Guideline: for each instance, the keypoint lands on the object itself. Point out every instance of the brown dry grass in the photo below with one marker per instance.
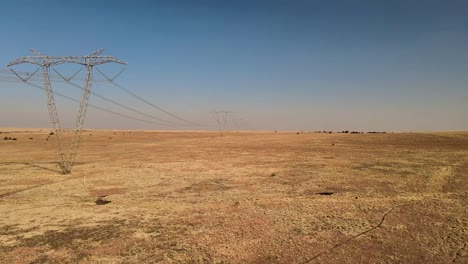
(197, 197)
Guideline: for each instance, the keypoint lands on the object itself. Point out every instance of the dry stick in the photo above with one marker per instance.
(351, 238)
(458, 253)
(358, 235)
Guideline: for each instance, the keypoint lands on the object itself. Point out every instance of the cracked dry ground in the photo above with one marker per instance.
(186, 197)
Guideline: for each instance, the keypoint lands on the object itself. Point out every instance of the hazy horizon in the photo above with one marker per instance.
(277, 65)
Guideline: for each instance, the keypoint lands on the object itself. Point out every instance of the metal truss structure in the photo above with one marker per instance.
(224, 119)
(67, 159)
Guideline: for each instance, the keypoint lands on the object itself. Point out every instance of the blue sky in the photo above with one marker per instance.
(278, 65)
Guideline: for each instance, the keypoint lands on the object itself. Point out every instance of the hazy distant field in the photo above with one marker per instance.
(188, 197)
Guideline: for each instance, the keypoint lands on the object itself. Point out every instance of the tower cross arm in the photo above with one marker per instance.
(97, 60)
(38, 60)
(54, 60)
(91, 60)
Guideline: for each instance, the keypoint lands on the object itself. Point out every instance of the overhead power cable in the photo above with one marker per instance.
(121, 105)
(111, 80)
(61, 78)
(154, 106)
(93, 106)
(68, 81)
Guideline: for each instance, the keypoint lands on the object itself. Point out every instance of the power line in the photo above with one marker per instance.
(109, 80)
(15, 80)
(154, 106)
(94, 106)
(124, 106)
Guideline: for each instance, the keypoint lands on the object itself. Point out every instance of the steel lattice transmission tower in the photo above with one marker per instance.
(45, 62)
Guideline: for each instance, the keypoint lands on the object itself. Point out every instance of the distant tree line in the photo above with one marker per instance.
(350, 132)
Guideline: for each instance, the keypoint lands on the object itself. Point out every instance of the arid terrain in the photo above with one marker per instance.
(248, 197)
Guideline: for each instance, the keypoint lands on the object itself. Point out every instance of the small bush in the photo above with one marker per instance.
(5, 138)
(51, 133)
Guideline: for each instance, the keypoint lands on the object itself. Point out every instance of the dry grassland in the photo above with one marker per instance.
(198, 197)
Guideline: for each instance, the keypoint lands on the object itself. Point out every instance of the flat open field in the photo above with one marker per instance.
(199, 197)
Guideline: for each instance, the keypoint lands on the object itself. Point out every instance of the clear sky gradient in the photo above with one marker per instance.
(278, 65)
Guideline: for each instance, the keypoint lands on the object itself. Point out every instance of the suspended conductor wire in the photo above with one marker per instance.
(67, 80)
(111, 80)
(62, 79)
(154, 106)
(126, 107)
(93, 106)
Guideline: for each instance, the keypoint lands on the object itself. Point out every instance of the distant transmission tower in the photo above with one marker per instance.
(45, 62)
(225, 121)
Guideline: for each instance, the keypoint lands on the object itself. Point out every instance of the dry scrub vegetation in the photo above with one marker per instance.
(197, 197)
